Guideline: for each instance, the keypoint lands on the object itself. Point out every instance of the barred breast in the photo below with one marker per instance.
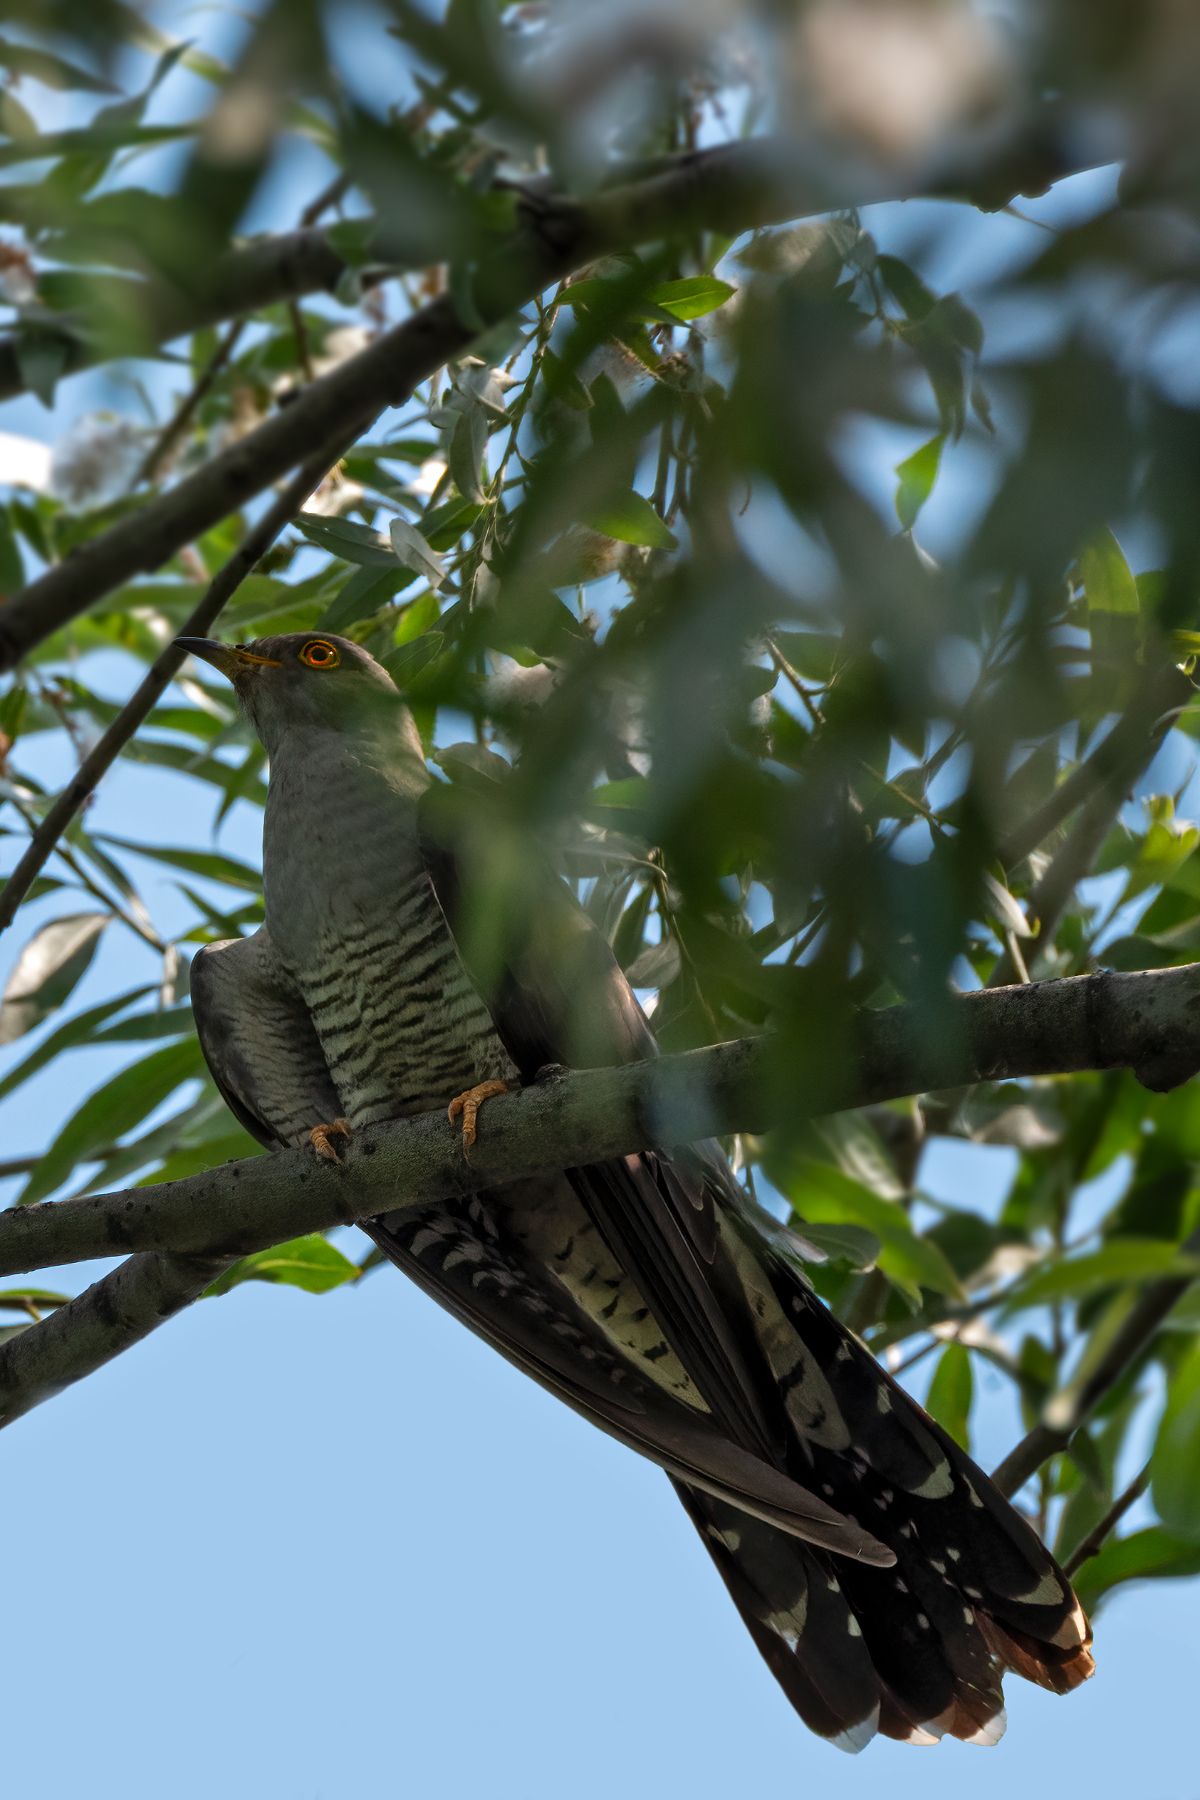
(401, 1026)
(360, 932)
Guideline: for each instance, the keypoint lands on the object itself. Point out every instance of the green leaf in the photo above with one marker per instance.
(236, 783)
(354, 543)
(468, 444)
(950, 1393)
(413, 549)
(14, 1299)
(79, 1030)
(848, 1244)
(209, 863)
(690, 298)
(1148, 1555)
(144, 1027)
(1119, 1263)
(367, 590)
(826, 1196)
(311, 1263)
(1175, 1464)
(668, 303)
(52, 71)
(47, 970)
(113, 1110)
(1114, 611)
(656, 966)
(917, 474)
(631, 519)
(1107, 579)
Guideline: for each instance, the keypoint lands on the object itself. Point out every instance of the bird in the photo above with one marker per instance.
(886, 1581)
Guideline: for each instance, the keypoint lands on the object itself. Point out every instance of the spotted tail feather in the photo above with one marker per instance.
(917, 1651)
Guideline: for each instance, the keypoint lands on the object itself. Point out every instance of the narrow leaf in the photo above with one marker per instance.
(113, 1110)
(47, 969)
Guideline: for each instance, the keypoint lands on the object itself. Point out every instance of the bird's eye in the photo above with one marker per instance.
(318, 654)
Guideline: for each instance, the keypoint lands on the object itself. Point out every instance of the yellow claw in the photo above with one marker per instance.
(468, 1105)
(320, 1135)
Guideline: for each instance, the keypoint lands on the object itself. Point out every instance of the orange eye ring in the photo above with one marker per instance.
(318, 653)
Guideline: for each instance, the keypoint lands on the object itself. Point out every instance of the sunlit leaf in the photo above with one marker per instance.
(1175, 1465)
(115, 1108)
(917, 474)
(47, 970)
(631, 519)
(311, 1263)
(951, 1391)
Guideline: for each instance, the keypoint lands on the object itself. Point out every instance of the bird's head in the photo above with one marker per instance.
(307, 681)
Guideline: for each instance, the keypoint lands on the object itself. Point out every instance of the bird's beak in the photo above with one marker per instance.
(230, 659)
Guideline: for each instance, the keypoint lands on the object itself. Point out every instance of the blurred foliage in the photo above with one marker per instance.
(629, 565)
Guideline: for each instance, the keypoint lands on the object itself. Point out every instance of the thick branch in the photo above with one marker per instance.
(186, 1230)
(163, 670)
(295, 263)
(276, 268)
(105, 1319)
(1149, 1022)
(734, 187)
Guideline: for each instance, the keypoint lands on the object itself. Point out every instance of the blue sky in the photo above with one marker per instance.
(314, 1548)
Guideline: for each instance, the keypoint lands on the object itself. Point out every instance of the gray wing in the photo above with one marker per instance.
(259, 1042)
(557, 995)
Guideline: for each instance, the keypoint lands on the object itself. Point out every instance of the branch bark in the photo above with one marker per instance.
(107, 1318)
(732, 188)
(185, 1231)
(1149, 1022)
(290, 265)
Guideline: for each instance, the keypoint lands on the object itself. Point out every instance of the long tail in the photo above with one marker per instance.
(916, 1651)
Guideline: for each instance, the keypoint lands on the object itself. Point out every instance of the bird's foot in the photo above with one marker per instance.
(320, 1135)
(467, 1107)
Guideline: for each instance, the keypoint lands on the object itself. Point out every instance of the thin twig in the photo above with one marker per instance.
(1115, 761)
(1073, 1405)
(329, 196)
(162, 671)
(140, 928)
(1100, 789)
(1098, 1536)
(182, 417)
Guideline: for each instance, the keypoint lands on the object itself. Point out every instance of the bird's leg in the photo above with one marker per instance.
(320, 1135)
(468, 1105)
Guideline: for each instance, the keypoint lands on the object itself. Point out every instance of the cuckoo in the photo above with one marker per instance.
(884, 1578)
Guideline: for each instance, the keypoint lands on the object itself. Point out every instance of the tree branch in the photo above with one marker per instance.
(733, 188)
(1096, 1539)
(292, 264)
(1149, 1022)
(110, 1316)
(162, 672)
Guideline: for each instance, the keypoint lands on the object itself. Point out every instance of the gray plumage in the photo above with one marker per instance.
(884, 1579)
